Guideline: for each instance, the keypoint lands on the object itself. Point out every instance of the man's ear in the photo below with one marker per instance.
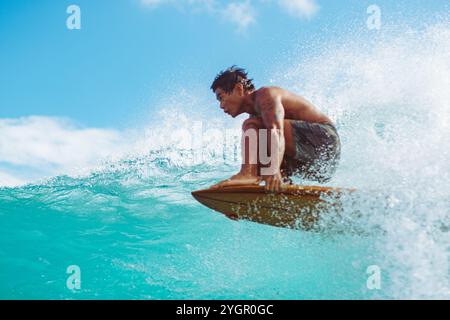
(239, 89)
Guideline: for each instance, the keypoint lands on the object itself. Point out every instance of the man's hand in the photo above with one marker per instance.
(237, 180)
(274, 182)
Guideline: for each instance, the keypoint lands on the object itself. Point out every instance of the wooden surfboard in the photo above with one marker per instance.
(295, 207)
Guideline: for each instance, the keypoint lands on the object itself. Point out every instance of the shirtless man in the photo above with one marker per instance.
(303, 140)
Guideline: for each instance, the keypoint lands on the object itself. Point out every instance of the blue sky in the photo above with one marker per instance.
(129, 54)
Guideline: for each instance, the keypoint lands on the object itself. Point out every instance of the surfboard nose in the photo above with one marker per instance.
(207, 192)
(195, 194)
(202, 196)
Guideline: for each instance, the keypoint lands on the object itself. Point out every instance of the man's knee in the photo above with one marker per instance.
(252, 123)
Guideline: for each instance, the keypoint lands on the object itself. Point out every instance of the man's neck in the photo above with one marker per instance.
(248, 104)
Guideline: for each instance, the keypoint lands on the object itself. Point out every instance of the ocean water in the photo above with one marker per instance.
(130, 225)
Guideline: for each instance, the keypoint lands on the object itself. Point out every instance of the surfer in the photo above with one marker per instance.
(300, 140)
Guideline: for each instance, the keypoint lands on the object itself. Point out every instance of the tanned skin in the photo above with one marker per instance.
(269, 108)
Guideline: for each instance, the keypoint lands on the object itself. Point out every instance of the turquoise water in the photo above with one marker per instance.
(133, 229)
(149, 239)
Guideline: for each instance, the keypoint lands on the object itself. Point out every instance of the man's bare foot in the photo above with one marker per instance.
(287, 180)
(238, 180)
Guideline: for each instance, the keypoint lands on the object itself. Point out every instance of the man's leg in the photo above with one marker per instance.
(250, 168)
(251, 161)
(250, 147)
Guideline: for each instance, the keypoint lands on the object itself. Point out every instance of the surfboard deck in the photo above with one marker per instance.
(297, 207)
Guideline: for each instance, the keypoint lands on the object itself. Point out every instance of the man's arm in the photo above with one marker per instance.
(272, 113)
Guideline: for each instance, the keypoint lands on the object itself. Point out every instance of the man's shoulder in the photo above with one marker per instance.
(269, 91)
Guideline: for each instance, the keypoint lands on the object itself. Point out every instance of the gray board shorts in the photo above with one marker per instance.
(318, 150)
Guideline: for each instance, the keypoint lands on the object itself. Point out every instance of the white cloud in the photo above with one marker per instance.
(241, 14)
(300, 8)
(50, 146)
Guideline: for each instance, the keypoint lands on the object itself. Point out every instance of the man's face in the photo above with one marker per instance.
(229, 102)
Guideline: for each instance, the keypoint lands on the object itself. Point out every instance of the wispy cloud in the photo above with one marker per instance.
(153, 3)
(300, 8)
(51, 146)
(240, 13)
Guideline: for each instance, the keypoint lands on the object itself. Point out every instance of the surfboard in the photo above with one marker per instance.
(297, 207)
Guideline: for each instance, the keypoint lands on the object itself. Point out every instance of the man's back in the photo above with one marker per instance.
(295, 106)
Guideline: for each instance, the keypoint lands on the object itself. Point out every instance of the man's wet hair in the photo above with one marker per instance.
(227, 79)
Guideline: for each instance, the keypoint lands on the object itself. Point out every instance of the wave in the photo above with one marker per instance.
(389, 97)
